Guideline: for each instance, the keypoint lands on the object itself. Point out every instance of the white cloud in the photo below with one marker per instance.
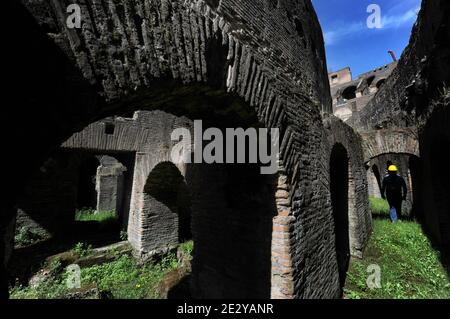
(396, 21)
(334, 36)
(389, 21)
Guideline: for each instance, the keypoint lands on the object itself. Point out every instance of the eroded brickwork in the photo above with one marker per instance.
(255, 236)
(360, 223)
(414, 100)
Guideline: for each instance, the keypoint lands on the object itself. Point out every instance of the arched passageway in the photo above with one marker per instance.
(380, 83)
(409, 169)
(349, 93)
(339, 187)
(200, 69)
(70, 181)
(77, 196)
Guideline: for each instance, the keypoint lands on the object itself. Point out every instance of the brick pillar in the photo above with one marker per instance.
(282, 265)
(282, 240)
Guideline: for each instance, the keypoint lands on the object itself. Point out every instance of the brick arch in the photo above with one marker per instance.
(360, 223)
(349, 93)
(129, 55)
(156, 54)
(400, 141)
(162, 207)
(380, 82)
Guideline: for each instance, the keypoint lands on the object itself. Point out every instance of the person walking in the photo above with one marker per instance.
(395, 191)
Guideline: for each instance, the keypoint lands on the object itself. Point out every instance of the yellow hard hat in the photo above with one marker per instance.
(392, 168)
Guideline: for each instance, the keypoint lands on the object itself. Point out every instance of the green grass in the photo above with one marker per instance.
(91, 215)
(123, 278)
(82, 249)
(187, 247)
(378, 207)
(410, 267)
(26, 236)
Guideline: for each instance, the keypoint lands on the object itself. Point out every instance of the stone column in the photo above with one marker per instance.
(109, 185)
(282, 286)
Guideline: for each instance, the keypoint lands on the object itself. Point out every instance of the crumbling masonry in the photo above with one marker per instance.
(138, 69)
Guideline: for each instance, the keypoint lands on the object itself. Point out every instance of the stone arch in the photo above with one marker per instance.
(158, 60)
(164, 208)
(401, 144)
(239, 197)
(111, 86)
(409, 169)
(360, 221)
(349, 93)
(400, 141)
(380, 83)
(369, 80)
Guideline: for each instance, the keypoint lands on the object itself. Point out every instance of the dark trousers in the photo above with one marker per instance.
(395, 202)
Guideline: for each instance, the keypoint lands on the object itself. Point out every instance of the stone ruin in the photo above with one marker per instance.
(350, 95)
(105, 98)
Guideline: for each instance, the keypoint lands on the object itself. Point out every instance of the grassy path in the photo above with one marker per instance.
(410, 267)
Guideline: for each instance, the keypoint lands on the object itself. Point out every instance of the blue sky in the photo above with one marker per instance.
(348, 40)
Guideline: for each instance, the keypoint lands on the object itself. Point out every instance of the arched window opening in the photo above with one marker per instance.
(380, 83)
(370, 80)
(349, 93)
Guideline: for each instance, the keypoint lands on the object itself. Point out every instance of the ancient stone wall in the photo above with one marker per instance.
(148, 135)
(237, 247)
(394, 141)
(360, 223)
(421, 73)
(434, 146)
(408, 102)
(219, 61)
(47, 206)
(350, 96)
(147, 233)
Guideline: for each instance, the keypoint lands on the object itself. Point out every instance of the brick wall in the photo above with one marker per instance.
(199, 59)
